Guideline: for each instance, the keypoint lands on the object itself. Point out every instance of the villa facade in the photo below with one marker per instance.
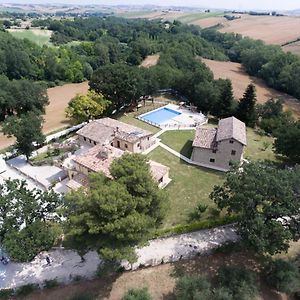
(107, 140)
(117, 134)
(215, 148)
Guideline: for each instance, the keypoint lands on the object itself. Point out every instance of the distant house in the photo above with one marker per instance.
(99, 159)
(117, 134)
(215, 147)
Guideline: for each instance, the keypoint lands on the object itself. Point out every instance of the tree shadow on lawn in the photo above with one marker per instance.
(187, 149)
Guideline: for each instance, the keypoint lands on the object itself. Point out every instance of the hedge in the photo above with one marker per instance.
(185, 228)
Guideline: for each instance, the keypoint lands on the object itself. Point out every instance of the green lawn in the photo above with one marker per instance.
(40, 37)
(259, 147)
(179, 140)
(190, 185)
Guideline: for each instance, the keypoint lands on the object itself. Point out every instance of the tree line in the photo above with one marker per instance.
(280, 70)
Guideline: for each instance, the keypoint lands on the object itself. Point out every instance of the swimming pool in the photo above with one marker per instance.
(161, 115)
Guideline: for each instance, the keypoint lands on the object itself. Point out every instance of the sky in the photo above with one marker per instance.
(230, 4)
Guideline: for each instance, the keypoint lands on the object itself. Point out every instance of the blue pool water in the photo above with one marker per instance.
(161, 115)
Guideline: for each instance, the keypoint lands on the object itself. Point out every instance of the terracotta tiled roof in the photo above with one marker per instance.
(100, 157)
(232, 128)
(205, 138)
(104, 130)
(158, 170)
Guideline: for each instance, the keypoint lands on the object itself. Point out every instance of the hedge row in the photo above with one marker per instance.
(185, 228)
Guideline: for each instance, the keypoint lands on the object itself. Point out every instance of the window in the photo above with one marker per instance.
(112, 144)
(160, 180)
(233, 152)
(90, 141)
(126, 146)
(148, 138)
(212, 160)
(84, 138)
(138, 144)
(118, 144)
(95, 143)
(231, 141)
(214, 151)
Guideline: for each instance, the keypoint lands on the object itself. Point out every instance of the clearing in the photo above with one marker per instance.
(272, 30)
(55, 117)
(240, 80)
(150, 60)
(38, 36)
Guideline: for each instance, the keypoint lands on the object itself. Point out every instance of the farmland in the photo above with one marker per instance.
(293, 47)
(55, 118)
(240, 79)
(38, 36)
(272, 30)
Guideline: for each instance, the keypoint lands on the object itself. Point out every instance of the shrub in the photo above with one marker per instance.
(239, 281)
(137, 294)
(6, 293)
(222, 293)
(26, 289)
(282, 275)
(49, 284)
(205, 224)
(81, 297)
(194, 287)
(198, 211)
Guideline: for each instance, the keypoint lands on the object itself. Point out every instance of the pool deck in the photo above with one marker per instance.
(185, 119)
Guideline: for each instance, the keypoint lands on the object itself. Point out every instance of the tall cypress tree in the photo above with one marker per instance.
(224, 108)
(246, 110)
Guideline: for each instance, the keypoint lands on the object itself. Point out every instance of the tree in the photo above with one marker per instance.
(267, 202)
(137, 294)
(287, 141)
(119, 83)
(194, 287)
(224, 105)
(284, 276)
(27, 220)
(27, 129)
(114, 215)
(246, 111)
(238, 281)
(83, 108)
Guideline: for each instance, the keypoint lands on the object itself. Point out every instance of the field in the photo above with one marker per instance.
(195, 17)
(150, 60)
(272, 30)
(38, 36)
(209, 22)
(240, 79)
(55, 118)
(293, 47)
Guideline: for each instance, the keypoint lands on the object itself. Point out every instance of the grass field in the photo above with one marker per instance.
(38, 36)
(191, 18)
(190, 185)
(240, 80)
(259, 147)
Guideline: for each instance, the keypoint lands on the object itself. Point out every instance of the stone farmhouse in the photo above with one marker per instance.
(215, 148)
(117, 134)
(110, 139)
